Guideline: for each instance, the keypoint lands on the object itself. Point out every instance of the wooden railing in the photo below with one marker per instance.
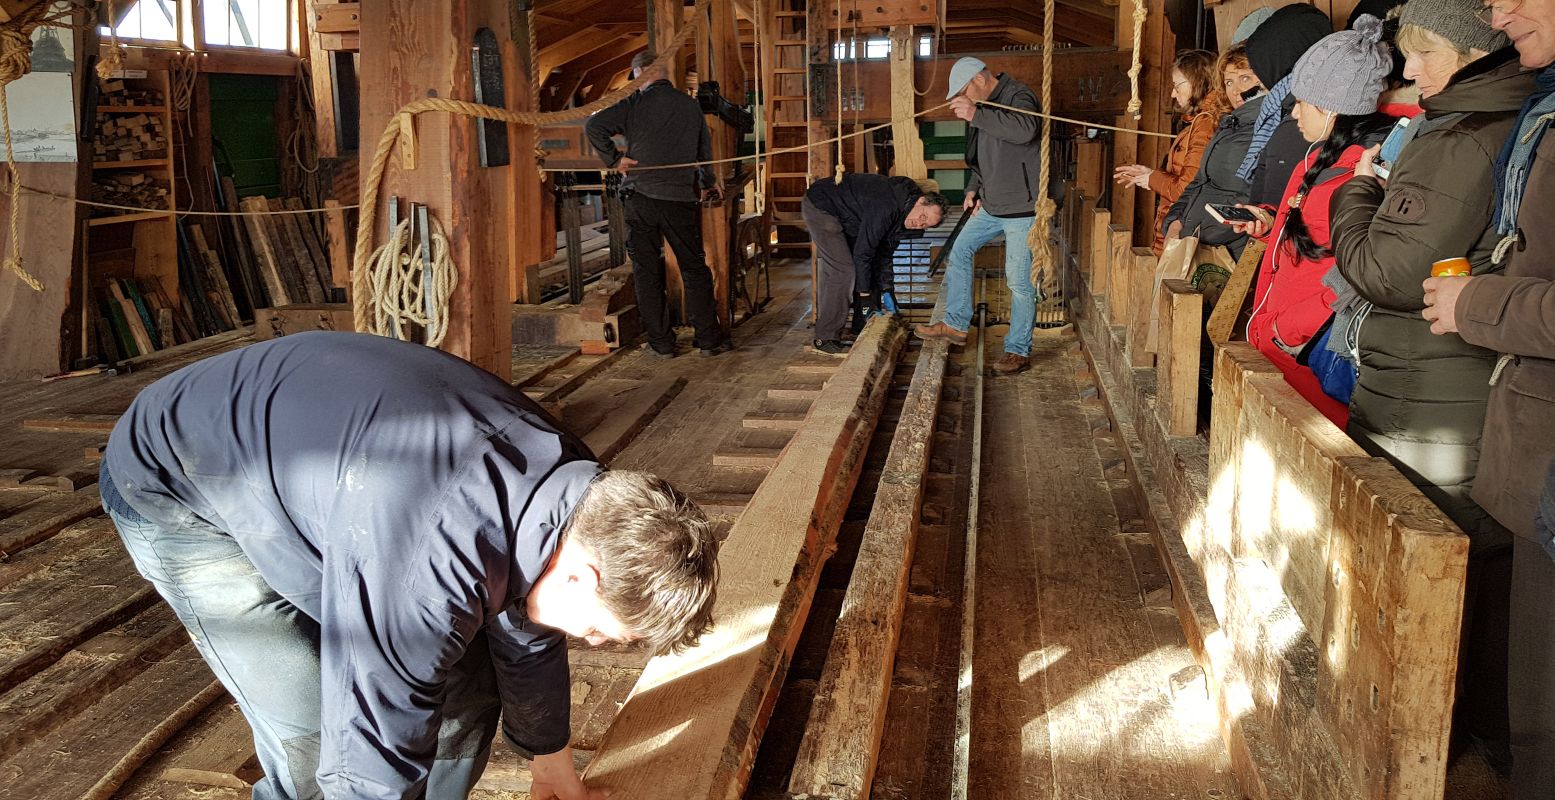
(1321, 592)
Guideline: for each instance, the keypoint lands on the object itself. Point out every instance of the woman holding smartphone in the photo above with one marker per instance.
(1336, 84)
(1420, 399)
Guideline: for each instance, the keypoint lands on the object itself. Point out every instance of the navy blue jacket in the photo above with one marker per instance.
(872, 210)
(403, 498)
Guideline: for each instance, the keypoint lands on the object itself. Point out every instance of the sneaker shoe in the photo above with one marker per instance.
(940, 330)
(830, 347)
(722, 347)
(1012, 364)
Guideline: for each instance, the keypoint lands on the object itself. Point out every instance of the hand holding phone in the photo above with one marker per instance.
(1245, 219)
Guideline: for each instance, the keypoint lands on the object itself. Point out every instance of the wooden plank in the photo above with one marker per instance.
(339, 250)
(841, 743)
(694, 720)
(1223, 321)
(224, 755)
(337, 17)
(72, 423)
(633, 412)
(270, 269)
(93, 534)
(289, 234)
(904, 126)
(1141, 282)
(1176, 261)
(1177, 359)
(40, 705)
(93, 754)
(46, 516)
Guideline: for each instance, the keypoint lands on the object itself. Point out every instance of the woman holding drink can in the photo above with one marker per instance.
(1420, 399)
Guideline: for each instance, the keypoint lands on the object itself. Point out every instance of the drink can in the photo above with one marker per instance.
(1450, 268)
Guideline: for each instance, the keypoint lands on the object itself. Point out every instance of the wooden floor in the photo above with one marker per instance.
(1084, 688)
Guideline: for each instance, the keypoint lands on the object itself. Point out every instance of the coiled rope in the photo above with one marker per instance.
(399, 276)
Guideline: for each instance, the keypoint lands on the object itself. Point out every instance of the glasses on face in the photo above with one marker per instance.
(1502, 7)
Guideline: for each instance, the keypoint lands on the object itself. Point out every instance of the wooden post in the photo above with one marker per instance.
(1155, 94)
(531, 230)
(322, 76)
(818, 25)
(904, 127)
(1141, 284)
(718, 59)
(1120, 261)
(1100, 241)
(421, 49)
(1177, 358)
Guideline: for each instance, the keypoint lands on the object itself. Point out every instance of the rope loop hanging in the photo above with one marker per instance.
(1037, 238)
(1134, 104)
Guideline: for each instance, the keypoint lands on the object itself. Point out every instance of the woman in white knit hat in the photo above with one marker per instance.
(1336, 84)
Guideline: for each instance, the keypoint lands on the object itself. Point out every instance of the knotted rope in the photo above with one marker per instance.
(1037, 238)
(397, 133)
(16, 61)
(1134, 105)
(399, 276)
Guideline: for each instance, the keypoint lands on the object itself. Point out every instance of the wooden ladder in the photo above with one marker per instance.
(785, 60)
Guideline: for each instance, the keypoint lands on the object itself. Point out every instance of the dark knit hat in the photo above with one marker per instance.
(1273, 49)
(1457, 21)
(1345, 72)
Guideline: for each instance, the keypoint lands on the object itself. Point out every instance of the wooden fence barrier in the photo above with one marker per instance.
(1141, 285)
(1120, 261)
(1100, 254)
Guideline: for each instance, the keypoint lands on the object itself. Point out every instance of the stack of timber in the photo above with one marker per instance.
(290, 256)
(135, 317)
(118, 93)
(138, 137)
(693, 722)
(135, 189)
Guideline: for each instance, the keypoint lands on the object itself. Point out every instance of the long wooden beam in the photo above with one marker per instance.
(692, 725)
(841, 742)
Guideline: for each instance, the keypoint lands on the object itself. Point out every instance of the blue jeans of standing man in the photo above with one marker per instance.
(265, 651)
(981, 229)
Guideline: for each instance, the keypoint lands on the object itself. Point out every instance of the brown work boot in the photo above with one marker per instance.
(1012, 364)
(940, 330)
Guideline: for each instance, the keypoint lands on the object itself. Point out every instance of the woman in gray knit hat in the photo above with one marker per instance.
(1420, 399)
(1336, 85)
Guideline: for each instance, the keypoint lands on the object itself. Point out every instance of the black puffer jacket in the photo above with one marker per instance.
(1420, 399)
(1216, 180)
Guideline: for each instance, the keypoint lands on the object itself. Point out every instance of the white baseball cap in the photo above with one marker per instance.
(966, 69)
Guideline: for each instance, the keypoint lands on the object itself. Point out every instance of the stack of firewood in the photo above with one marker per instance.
(115, 93)
(136, 189)
(133, 137)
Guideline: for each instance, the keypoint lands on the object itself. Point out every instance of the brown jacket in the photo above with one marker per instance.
(1182, 163)
(1514, 313)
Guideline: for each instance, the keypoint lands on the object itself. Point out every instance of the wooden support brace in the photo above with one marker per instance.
(407, 142)
(1181, 307)
(1098, 248)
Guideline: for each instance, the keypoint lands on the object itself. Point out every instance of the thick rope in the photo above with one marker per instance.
(1134, 105)
(759, 187)
(113, 60)
(361, 297)
(398, 275)
(1037, 238)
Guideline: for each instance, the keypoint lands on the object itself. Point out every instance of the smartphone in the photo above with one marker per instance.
(1229, 213)
(1391, 147)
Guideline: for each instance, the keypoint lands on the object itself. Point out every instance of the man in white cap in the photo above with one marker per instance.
(1003, 150)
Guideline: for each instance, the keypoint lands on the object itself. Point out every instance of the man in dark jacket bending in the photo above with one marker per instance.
(855, 226)
(663, 126)
(378, 547)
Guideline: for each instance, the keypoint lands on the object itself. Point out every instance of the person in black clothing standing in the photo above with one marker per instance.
(856, 225)
(663, 125)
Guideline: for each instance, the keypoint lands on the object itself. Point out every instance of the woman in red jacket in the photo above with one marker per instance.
(1336, 85)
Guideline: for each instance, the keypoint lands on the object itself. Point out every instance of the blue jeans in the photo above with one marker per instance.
(981, 229)
(265, 651)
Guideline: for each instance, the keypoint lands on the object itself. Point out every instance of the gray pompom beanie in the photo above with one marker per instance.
(1457, 21)
(1345, 72)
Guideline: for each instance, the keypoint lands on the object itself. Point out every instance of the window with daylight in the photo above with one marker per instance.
(265, 24)
(153, 20)
(259, 24)
(875, 49)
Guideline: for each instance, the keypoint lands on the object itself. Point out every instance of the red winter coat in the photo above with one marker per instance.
(1291, 303)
